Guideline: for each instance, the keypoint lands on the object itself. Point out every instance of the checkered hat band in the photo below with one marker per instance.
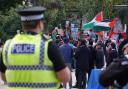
(32, 17)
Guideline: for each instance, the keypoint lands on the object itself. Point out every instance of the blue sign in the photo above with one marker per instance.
(94, 80)
(23, 49)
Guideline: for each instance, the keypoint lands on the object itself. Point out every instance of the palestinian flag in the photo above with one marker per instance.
(80, 36)
(54, 34)
(113, 34)
(104, 25)
(97, 18)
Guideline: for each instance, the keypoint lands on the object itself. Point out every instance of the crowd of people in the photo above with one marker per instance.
(85, 55)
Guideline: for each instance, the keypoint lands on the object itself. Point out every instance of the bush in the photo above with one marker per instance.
(9, 24)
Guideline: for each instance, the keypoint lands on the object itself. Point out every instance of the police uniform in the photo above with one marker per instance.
(30, 59)
(117, 71)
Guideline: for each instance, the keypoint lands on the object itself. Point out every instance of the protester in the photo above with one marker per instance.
(92, 57)
(67, 52)
(107, 48)
(58, 42)
(117, 72)
(112, 54)
(99, 55)
(82, 57)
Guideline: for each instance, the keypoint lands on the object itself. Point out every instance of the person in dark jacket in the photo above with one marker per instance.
(92, 57)
(117, 71)
(99, 56)
(107, 45)
(112, 54)
(82, 64)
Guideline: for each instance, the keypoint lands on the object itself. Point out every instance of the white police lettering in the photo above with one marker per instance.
(23, 49)
(18, 48)
(31, 48)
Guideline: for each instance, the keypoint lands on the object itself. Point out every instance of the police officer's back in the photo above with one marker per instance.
(30, 58)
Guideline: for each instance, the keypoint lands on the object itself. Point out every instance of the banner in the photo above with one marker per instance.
(74, 32)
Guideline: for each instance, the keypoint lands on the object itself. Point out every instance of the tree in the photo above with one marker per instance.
(9, 24)
(5, 5)
(55, 13)
(82, 8)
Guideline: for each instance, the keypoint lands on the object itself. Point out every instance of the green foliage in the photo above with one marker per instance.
(54, 18)
(9, 24)
(57, 12)
(82, 8)
(54, 14)
(5, 5)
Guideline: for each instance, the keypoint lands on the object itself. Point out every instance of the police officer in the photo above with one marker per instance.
(117, 72)
(29, 59)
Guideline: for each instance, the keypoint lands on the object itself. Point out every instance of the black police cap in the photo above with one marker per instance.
(31, 13)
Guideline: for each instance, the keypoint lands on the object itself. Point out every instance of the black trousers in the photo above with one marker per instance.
(81, 78)
(89, 71)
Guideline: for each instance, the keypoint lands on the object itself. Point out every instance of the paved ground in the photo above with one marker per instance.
(3, 87)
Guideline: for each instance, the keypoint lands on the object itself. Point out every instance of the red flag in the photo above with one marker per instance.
(112, 23)
(99, 17)
(111, 34)
(100, 33)
(123, 35)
